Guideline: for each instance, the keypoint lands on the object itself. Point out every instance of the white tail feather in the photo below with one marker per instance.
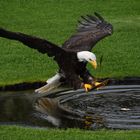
(51, 84)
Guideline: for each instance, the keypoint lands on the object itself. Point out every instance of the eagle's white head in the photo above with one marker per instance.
(86, 56)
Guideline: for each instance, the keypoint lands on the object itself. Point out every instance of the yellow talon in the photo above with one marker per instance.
(97, 83)
(87, 87)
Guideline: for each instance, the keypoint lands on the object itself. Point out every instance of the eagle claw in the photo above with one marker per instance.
(88, 87)
(95, 85)
(98, 85)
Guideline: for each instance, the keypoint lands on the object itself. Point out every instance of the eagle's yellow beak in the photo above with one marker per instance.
(93, 63)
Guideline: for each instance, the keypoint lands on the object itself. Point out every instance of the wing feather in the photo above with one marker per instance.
(41, 45)
(91, 29)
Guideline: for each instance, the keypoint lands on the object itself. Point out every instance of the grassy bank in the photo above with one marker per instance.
(56, 21)
(22, 133)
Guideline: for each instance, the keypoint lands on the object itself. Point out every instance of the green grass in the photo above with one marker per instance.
(56, 21)
(23, 133)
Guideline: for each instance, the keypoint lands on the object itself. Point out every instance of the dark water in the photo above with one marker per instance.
(115, 107)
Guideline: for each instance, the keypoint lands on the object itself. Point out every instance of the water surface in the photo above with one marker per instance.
(110, 107)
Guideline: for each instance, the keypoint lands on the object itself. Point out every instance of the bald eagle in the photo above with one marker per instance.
(74, 54)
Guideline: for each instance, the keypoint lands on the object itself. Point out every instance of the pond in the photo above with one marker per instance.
(112, 107)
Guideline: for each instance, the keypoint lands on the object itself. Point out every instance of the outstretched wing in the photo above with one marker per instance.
(41, 45)
(91, 29)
